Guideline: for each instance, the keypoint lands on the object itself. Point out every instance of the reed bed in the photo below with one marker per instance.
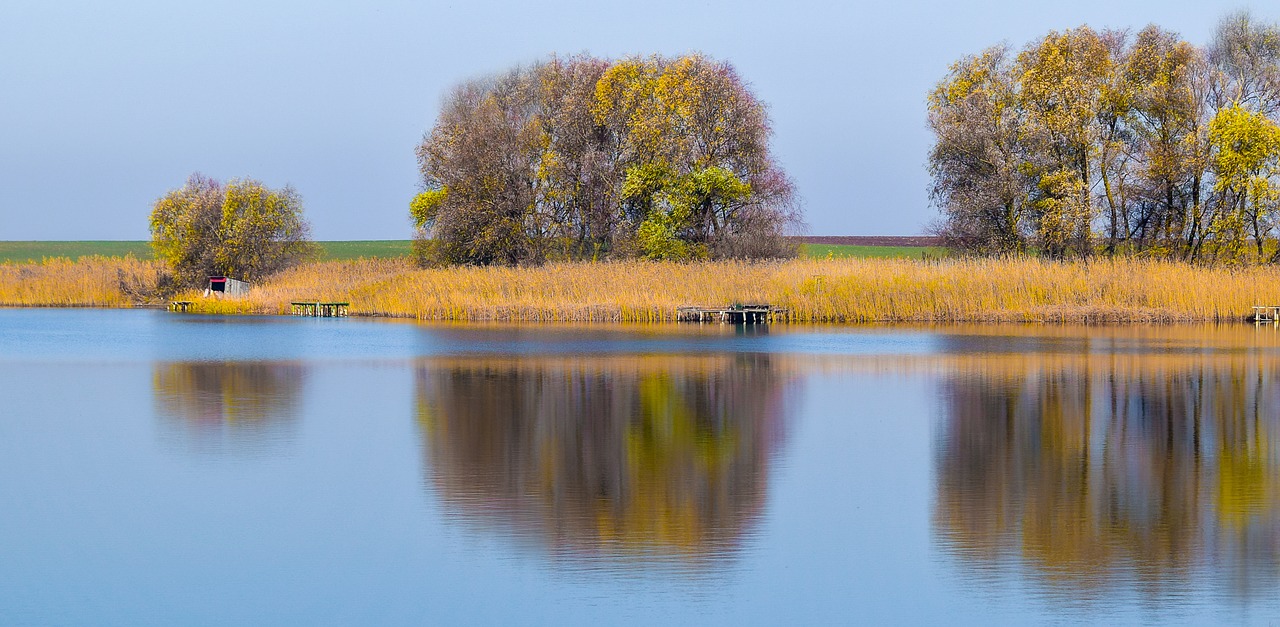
(93, 281)
(831, 290)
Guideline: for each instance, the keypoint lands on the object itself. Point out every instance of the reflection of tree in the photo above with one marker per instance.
(1098, 468)
(241, 401)
(648, 457)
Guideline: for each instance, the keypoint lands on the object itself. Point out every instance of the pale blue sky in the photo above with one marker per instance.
(106, 106)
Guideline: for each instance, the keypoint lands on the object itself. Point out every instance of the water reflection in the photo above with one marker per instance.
(242, 407)
(1111, 471)
(655, 460)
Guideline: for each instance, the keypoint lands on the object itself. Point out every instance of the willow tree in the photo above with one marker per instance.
(242, 229)
(587, 158)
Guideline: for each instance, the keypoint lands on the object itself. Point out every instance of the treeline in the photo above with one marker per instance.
(587, 158)
(1086, 142)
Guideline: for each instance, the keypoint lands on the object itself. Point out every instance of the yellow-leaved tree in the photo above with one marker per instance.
(584, 158)
(241, 229)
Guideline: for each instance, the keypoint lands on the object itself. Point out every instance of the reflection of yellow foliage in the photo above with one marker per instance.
(1086, 458)
(621, 455)
(230, 393)
(666, 445)
(1246, 479)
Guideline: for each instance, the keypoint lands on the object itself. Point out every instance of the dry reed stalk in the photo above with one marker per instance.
(90, 282)
(832, 290)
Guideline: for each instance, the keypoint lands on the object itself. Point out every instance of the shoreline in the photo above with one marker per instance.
(1100, 319)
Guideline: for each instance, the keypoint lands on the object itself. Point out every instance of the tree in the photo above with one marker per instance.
(578, 158)
(1247, 164)
(976, 163)
(1147, 145)
(1248, 55)
(241, 229)
(1063, 81)
(1167, 78)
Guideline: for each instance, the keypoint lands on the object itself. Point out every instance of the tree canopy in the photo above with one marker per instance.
(242, 229)
(1142, 144)
(584, 158)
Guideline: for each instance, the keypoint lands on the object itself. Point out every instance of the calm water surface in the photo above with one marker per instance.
(173, 469)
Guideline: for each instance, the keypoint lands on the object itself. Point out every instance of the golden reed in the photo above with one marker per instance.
(813, 290)
(90, 282)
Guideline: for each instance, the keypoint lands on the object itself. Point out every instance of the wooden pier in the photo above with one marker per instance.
(317, 309)
(179, 305)
(734, 314)
(1266, 313)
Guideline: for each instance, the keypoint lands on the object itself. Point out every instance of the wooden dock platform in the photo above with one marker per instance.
(317, 309)
(733, 314)
(1266, 313)
(179, 305)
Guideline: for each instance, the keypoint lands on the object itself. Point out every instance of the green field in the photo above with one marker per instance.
(35, 251)
(837, 251)
(20, 252)
(365, 248)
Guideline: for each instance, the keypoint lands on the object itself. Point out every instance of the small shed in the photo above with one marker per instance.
(226, 286)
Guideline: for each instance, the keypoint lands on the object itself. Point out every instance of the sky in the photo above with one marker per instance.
(105, 106)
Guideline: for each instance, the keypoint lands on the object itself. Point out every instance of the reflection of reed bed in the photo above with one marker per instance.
(1011, 350)
(649, 459)
(89, 282)
(1110, 472)
(833, 290)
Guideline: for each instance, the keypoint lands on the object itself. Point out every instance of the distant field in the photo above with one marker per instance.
(369, 249)
(35, 251)
(814, 247)
(838, 251)
(911, 241)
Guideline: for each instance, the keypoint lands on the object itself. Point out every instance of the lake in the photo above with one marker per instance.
(163, 469)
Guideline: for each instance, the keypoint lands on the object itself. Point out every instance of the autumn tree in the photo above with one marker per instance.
(978, 181)
(1247, 162)
(1247, 53)
(1063, 91)
(1093, 141)
(242, 229)
(582, 158)
(1167, 81)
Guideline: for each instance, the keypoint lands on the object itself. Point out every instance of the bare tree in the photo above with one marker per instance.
(1248, 55)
